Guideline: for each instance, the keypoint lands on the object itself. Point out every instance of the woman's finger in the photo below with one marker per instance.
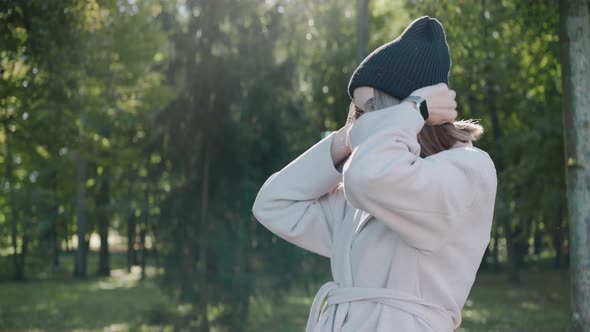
(453, 93)
(446, 105)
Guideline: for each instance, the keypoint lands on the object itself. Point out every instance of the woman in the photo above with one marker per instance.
(407, 219)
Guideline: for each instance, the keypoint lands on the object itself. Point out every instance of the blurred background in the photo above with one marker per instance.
(135, 134)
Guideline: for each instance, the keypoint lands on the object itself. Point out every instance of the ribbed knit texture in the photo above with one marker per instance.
(417, 58)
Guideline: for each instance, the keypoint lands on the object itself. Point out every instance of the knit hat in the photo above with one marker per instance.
(417, 58)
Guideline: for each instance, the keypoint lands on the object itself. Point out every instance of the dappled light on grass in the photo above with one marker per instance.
(475, 313)
(288, 314)
(495, 304)
(121, 279)
(528, 305)
(116, 303)
(124, 303)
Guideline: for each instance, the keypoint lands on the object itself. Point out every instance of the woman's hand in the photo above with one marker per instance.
(441, 103)
(340, 148)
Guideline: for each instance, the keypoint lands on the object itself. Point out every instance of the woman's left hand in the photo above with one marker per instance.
(340, 148)
(441, 103)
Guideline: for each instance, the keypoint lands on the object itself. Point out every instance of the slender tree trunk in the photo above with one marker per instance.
(18, 269)
(362, 28)
(55, 247)
(142, 234)
(513, 234)
(203, 236)
(558, 245)
(242, 236)
(575, 28)
(557, 238)
(48, 233)
(104, 268)
(130, 231)
(67, 239)
(156, 253)
(23, 254)
(81, 252)
(27, 223)
(538, 237)
(495, 253)
(131, 254)
(55, 243)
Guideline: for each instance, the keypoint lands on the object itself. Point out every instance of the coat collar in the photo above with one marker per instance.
(462, 144)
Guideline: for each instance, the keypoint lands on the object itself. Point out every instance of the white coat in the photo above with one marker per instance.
(405, 234)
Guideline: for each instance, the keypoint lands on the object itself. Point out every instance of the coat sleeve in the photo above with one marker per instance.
(303, 202)
(421, 199)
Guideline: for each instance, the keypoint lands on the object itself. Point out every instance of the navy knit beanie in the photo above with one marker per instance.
(417, 58)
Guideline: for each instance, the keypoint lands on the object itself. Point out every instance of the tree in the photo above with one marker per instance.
(575, 24)
(363, 18)
(35, 77)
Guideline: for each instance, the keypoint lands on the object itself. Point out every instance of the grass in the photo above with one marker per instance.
(123, 303)
(539, 303)
(113, 304)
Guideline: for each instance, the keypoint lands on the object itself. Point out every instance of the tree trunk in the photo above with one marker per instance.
(242, 236)
(102, 205)
(131, 254)
(18, 269)
(54, 234)
(156, 253)
(538, 238)
(558, 245)
(557, 237)
(203, 235)
(27, 226)
(67, 239)
(49, 232)
(55, 243)
(495, 253)
(575, 34)
(80, 264)
(142, 234)
(363, 23)
(512, 252)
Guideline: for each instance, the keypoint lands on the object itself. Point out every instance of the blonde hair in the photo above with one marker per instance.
(434, 139)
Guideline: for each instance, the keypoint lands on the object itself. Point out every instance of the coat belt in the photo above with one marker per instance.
(334, 294)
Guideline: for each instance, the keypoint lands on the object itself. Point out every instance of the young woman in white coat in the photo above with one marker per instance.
(399, 198)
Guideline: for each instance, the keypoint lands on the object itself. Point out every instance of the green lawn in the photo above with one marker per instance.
(123, 303)
(539, 303)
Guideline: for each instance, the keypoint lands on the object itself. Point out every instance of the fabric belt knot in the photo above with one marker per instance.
(438, 319)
